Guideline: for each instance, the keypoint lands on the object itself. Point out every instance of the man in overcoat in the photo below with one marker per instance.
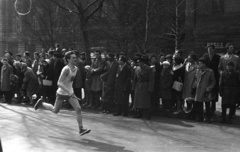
(6, 72)
(122, 87)
(143, 83)
(109, 78)
(213, 62)
(98, 66)
(227, 58)
(229, 89)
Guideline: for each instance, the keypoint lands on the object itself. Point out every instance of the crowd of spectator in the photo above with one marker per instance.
(141, 84)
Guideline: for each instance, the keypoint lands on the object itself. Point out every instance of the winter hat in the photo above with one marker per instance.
(166, 63)
(47, 61)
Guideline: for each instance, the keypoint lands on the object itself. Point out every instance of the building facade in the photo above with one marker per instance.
(212, 22)
(11, 25)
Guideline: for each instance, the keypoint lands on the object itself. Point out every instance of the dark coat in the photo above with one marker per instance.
(30, 82)
(178, 74)
(188, 82)
(229, 87)
(143, 83)
(98, 66)
(6, 72)
(57, 69)
(213, 64)
(88, 81)
(109, 78)
(35, 66)
(79, 78)
(165, 84)
(47, 72)
(123, 85)
(204, 80)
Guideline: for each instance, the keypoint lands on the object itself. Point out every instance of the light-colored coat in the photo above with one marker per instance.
(204, 80)
(6, 72)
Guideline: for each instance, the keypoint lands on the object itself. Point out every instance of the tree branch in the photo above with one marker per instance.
(89, 5)
(64, 8)
(94, 10)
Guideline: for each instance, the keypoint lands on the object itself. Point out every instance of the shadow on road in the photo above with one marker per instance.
(100, 146)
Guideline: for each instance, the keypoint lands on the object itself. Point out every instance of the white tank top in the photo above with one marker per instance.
(68, 81)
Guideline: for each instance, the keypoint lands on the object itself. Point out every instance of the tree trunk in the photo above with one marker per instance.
(85, 38)
(146, 32)
(86, 45)
(177, 27)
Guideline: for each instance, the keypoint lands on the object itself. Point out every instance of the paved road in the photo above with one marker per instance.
(24, 130)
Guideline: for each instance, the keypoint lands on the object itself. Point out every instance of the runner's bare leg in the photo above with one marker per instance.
(56, 108)
(75, 104)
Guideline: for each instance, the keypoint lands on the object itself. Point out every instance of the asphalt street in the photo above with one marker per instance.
(22, 129)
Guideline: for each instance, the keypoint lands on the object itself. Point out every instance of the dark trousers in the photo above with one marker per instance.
(155, 99)
(108, 98)
(96, 97)
(213, 106)
(88, 97)
(122, 109)
(167, 104)
(198, 108)
(8, 95)
(231, 111)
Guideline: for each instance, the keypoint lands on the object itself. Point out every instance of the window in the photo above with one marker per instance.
(218, 5)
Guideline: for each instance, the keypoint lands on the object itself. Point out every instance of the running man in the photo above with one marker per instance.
(65, 91)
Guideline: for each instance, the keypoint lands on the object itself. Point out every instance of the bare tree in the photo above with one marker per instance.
(47, 24)
(84, 10)
(175, 25)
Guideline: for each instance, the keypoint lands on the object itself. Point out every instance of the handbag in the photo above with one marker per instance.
(46, 82)
(177, 85)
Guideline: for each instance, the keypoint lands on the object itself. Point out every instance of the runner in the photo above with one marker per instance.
(65, 91)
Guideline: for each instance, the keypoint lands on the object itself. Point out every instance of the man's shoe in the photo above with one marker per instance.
(84, 131)
(38, 104)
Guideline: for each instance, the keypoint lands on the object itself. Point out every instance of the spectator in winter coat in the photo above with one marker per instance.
(229, 89)
(143, 83)
(6, 72)
(165, 86)
(109, 78)
(204, 83)
(30, 82)
(122, 87)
